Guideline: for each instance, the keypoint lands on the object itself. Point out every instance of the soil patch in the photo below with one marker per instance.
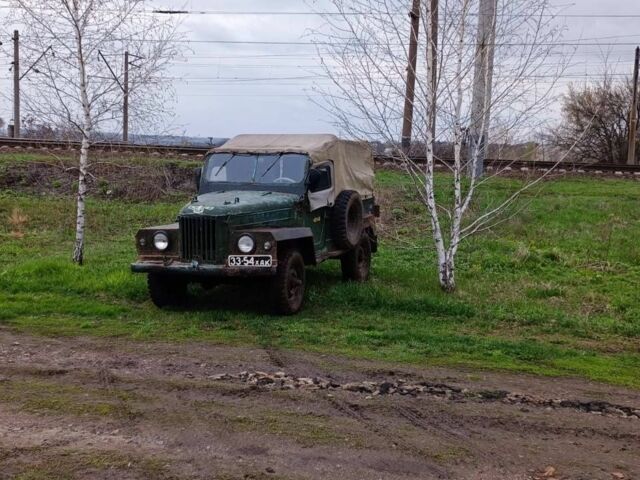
(116, 180)
(109, 408)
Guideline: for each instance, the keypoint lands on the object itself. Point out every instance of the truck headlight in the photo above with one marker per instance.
(246, 244)
(161, 241)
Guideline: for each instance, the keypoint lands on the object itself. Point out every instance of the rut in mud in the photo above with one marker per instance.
(91, 408)
(282, 381)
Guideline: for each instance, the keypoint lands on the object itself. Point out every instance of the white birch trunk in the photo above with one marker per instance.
(445, 275)
(78, 251)
(448, 269)
(83, 167)
(446, 254)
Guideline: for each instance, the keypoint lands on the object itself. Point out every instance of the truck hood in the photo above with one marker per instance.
(238, 202)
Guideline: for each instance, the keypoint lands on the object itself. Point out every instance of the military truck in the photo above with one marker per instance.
(267, 206)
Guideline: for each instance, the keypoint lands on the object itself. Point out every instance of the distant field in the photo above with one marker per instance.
(554, 290)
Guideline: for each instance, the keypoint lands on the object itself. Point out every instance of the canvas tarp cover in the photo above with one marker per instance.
(353, 161)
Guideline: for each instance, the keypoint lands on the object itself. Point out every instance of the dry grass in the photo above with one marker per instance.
(17, 221)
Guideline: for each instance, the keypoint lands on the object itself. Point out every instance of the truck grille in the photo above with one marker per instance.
(198, 238)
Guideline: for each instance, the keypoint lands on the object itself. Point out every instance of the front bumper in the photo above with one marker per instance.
(201, 270)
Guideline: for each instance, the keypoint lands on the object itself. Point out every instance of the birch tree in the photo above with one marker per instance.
(76, 85)
(364, 52)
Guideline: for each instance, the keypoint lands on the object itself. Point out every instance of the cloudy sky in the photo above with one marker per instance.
(223, 89)
(233, 88)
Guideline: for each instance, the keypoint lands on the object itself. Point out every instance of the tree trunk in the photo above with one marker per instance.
(447, 271)
(78, 252)
(86, 128)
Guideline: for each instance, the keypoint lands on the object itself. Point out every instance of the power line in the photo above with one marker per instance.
(247, 95)
(362, 14)
(573, 43)
(188, 64)
(317, 79)
(350, 14)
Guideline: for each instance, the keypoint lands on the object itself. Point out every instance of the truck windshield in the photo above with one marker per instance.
(267, 169)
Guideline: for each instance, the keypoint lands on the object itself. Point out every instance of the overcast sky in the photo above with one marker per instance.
(223, 90)
(229, 89)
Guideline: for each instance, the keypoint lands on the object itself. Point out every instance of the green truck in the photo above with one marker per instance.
(267, 206)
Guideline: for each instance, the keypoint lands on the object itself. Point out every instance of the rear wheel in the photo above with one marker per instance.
(288, 286)
(167, 290)
(356, 263)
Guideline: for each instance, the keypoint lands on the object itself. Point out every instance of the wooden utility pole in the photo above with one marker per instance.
(633, 120)
(16, 84)
(125, 108)
(482, 86)
(407, 125)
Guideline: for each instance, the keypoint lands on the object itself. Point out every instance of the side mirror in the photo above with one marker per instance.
(197, 177)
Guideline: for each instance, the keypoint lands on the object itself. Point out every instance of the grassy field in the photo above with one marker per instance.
(552, 291)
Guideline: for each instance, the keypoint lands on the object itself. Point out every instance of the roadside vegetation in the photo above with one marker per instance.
(553, 290)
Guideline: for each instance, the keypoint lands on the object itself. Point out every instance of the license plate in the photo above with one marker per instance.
(261, 261)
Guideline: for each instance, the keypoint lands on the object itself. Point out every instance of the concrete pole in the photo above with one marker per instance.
(125, 108)
(482, 85)
(16, 84)
(407, 125)
(633, 120)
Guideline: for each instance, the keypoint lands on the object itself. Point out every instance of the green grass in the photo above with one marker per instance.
(552, 291)
(71, 464)
(41, 396)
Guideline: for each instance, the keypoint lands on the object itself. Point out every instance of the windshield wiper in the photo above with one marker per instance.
(224, 164)
(271, 166)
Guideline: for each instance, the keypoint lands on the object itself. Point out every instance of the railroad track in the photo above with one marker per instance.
(8, 144)
(33, 144)
(507, 165)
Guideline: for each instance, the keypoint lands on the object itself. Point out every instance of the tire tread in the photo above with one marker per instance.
(340, 215)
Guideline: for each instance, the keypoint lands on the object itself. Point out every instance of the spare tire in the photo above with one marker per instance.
(347, 221)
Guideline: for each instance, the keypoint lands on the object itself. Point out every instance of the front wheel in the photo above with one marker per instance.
(167, 290)
(288, 286)
(356, 263)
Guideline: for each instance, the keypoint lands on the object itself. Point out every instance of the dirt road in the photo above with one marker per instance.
(112, 409)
